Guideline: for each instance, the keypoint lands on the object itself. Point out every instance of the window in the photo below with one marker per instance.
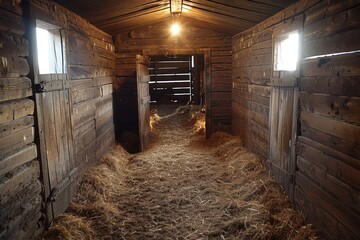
(50, 48)
(286, 52)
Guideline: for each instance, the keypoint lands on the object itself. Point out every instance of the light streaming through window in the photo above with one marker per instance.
(50, 51)
(287, 52)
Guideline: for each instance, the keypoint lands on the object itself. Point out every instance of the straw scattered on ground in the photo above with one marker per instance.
(182, 187)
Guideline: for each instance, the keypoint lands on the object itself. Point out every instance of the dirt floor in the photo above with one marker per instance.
(182, 187)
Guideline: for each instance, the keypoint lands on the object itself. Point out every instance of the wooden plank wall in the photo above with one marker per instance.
(156, 40)
(328, 160)
(92, 71)
(20, 187)
(328, 156)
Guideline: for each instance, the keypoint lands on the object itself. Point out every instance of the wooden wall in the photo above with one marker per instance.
(92, 70)
(20, 187)
(327, 173)
(156, 40)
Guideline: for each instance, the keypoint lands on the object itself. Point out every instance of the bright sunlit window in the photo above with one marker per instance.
(50, 49)
(286, 52)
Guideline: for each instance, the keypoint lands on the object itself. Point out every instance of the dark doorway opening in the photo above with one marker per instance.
(177, 79)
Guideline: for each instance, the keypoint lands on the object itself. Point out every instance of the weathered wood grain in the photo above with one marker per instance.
(13, 110)
(13, 45)
(12, 67)
(16, 140)
(14, 88)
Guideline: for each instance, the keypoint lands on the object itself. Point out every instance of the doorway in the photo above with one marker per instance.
(176, 79)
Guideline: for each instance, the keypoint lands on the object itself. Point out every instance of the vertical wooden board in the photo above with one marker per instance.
(274, 155)
(142, 72)
(62, 165)
(69, 127)
(51, 150)
(282, 133)
(43, 155)
(286, 113)
(208, 96)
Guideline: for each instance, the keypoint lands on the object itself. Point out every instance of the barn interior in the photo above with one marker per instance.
(245, 124)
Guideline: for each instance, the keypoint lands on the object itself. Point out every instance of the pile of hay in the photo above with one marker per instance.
(181, 188)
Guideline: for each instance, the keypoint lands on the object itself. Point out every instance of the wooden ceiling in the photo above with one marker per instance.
(229, 16)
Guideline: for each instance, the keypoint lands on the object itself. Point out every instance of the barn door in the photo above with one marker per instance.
(284, 102)
(283, 117)
(53, 106)
(143, 98)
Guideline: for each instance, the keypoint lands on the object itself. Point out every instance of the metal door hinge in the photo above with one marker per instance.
(39, 87)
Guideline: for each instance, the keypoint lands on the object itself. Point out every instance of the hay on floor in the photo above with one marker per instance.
(181, 188)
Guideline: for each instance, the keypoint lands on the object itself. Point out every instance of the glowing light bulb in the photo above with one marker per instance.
(175, 29)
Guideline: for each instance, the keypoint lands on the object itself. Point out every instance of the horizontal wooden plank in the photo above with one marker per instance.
(16, 211)
(20, 179)
(340, 22)
(331, 126)
(343, 86)
(17, 158)
(79, 84)
(84, 94)
(107, 146)
(344, 193)
(82, 58)
(345, 216)
(13, 110)
(169, 78)
(13, 45)
(331, 228)
(337, 107)
(14, 88)
(13, 67)
(170, 71)
(167, 91)
(14, 7)
(260, 109)
(170, 64)
(83, 112)
(16, 125)
(104, 80)
(108, 123)
(336, 43)
(345, 146)
(330, 158)
(84, 140)
(335, 66)
(16, 140)
(81, 130)
(78, 72)
(168, 85)
(10, 22)
(105, 90)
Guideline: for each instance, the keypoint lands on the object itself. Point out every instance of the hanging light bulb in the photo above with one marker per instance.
(175, 29)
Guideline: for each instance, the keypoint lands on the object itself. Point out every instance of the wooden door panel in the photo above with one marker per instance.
(282, 135)
(57, 149)
(143, 96)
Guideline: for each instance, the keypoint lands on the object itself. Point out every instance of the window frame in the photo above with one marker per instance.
(277, 41)
(63, 46)
(286, 78)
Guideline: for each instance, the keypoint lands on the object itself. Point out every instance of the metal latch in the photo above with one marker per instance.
(39, 87)
(53, 194)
